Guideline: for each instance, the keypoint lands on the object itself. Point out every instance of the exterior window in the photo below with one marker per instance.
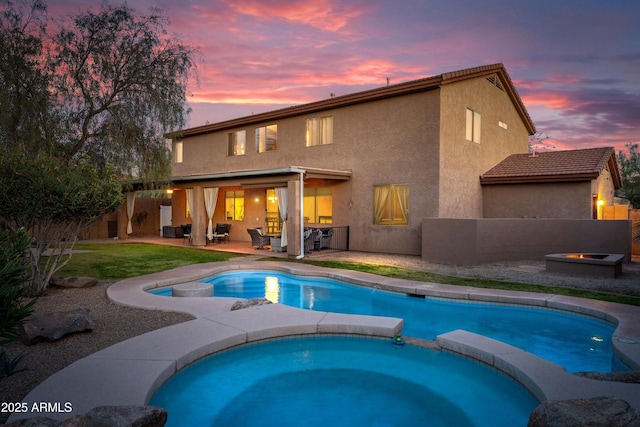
(177, 152)
(473, 125)
(272, 219)
(318, 205)
(319, 131)
(237, 143)
(391, 204)
(266, 138)
(234, 205)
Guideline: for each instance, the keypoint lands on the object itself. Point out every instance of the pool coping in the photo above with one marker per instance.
(129, 372)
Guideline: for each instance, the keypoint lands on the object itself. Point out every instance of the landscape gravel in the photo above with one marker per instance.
(113, 323)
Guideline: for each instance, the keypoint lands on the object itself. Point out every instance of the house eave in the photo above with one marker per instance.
(308, 172)
(538, 179)
(400, 89)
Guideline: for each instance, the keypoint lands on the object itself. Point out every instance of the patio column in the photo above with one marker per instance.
(122, 221)
(198, 218)
(293, 214)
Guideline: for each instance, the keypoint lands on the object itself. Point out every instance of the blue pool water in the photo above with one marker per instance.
(578, 343)
(341, 381)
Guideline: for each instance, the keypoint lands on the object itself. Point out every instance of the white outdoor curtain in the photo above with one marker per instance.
(210, 199)
(189, 192)
(131, 201)
(281, 194)
(380, 202)
(402, 192)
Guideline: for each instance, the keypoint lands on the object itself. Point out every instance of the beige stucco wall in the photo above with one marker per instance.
(478, 241)
(551, 200)
(572, 200)
(394, 141)
(461, 161)
(398, 140)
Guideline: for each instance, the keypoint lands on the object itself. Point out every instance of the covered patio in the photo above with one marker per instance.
(204, 200)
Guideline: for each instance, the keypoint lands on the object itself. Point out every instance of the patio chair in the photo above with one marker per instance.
(310, 240)
(186, 232)
(221, 232)
(323, 240)
(258, 239)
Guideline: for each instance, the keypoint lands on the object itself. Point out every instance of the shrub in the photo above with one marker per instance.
(14, 307)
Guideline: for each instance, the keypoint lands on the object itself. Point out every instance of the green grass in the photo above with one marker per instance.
(422, 276)
(117, 261)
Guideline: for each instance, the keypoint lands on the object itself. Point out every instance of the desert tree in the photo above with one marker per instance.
(630, 175)
(26, 124)
(82, 111)
(121, 83)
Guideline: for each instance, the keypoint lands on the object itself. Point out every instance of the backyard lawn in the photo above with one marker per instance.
(112, 261)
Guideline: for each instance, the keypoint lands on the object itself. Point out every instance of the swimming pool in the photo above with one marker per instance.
(578, 343)
(341, 381)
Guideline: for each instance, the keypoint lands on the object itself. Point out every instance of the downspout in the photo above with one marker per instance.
(301, 172)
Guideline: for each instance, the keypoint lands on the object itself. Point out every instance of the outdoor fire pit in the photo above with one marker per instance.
(585, 264)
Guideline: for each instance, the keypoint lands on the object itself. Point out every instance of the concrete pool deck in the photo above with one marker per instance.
(128, 373)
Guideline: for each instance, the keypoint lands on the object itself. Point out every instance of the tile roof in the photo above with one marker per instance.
(399, 89)
(554, 166)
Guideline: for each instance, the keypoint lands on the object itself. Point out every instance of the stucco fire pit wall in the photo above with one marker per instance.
(585, 264)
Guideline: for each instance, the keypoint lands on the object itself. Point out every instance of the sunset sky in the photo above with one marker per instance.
(575, 63)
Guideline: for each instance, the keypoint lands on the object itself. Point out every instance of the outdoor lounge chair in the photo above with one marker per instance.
(257, 238)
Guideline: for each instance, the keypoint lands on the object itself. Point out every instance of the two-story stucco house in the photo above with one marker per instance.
(377, 161)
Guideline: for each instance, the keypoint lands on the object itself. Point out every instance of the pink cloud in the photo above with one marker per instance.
(322, 14)
(553, 100)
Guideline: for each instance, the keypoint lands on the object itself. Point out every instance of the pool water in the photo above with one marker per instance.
(578, 343)
(341, 381)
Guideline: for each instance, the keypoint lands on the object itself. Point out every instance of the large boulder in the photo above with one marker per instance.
(53, 326)
(598, 412)
(104, 416)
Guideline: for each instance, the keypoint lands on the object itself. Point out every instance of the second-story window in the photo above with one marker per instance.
(319, 131)
(473, 125)
(177, 152)
(237, 142)
(266, 138)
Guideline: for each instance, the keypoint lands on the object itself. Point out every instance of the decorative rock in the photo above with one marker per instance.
(73, 282)
(104, 416)
(53, 326)
(632, 377)
(192, 289)
(124, 416)
(601, 412)
(239, 305)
